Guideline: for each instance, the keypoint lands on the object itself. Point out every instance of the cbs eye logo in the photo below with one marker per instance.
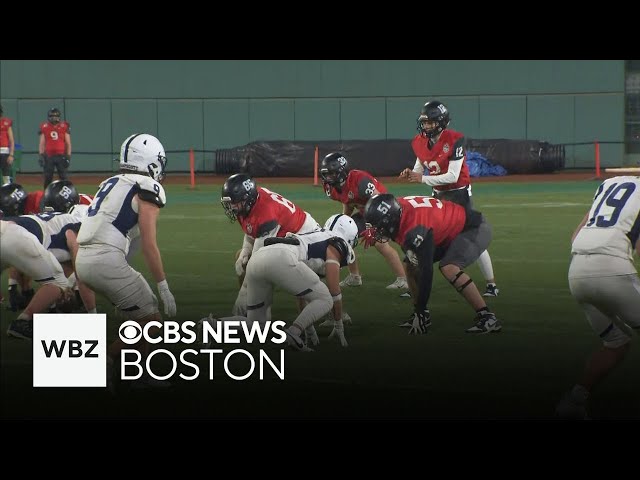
(130, 332)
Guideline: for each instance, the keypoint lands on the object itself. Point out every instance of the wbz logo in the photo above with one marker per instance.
(69, 350)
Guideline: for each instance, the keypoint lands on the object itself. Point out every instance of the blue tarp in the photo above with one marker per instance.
(481, 167)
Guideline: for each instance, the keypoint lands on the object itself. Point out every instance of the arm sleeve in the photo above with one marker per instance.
(418, 168)
(455, 166)
(425, 262)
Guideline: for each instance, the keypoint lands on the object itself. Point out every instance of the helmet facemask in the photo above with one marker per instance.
(334, 170)
(239, 195)
(433, 119)
(157, 170)
(54, 116)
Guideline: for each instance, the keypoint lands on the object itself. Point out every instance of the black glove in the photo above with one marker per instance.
(421, 322)
(41, 159)
(66, 160)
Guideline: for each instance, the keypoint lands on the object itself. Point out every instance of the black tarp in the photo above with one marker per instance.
(379, 157)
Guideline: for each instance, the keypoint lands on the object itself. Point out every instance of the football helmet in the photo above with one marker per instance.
(144, 154)
(239, 195)
(433, 119)
(334, 169)
(53, 115)
(383, 212)
(12, 199)
(60, 196)
(344, 226)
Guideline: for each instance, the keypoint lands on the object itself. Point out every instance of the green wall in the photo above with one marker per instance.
(207, 105)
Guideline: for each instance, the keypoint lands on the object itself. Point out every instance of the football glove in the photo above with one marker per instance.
(338, 332)
(421, 322)
(368, 237)
(242, 261)
(167, 299)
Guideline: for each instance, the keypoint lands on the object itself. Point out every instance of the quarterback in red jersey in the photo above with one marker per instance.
(55, 146)
(429, 230)
(440, 152)
(261, 214)
(353, 188)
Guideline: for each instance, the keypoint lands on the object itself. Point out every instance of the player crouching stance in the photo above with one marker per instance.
(295, 263)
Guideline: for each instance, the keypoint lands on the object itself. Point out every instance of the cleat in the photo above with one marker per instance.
(491, 291)
(400, 283)
(485, 323)
(21, 329)
(351, 281)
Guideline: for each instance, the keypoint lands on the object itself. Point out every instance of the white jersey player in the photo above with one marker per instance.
(295, 263)
(37, 245)
(124, 203)
(604, 280)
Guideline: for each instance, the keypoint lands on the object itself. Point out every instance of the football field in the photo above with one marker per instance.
(520, 372)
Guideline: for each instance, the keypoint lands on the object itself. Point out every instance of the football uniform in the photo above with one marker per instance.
(104, 240)
(22, 246)
(357, 189)
(273, 215)
(33, 203)
(294, 268)
(436, 159)
(54, 135)
(602, 274)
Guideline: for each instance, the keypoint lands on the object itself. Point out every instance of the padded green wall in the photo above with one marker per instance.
(207, 105)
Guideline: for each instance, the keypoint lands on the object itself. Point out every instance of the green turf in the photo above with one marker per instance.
(518, 373)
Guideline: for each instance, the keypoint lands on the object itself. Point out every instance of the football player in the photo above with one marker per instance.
(123, 202)
(37, 245)
(353, 188)
(430, 230)
(604, 281)
(440, 152)
(261, 213)
(295, 263)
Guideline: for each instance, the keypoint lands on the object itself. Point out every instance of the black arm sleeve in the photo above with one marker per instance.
(266, 227)
(150, 197)
(425, 254)
(458, 150)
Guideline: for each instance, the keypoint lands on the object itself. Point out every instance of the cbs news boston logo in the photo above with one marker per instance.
(69, 350)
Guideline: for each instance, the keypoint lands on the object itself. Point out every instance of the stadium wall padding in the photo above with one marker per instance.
(217, 104)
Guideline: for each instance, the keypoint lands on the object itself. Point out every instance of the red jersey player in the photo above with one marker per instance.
(429, 230)
(353, 188)
(54, 146)
(261, 214)
(440, 152)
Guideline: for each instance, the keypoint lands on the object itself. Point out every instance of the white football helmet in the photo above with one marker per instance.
(144, 154)
(344, 226)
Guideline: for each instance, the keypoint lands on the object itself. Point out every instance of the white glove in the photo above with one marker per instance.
(242, 261)
(338, 331)
(346, 318)
(167, 299)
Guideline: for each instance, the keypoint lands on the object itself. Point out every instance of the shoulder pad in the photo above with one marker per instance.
(347, 256)
(151, 191)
